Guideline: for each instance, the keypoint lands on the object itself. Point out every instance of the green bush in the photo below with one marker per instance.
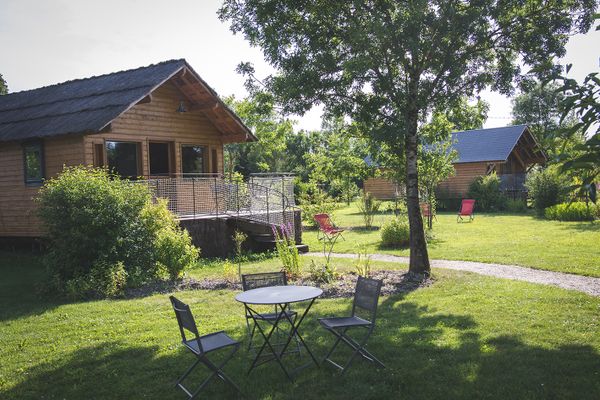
(106, 230)
(546, 188)
(577, 211)
(395, 233)
(516, 206)
(486, 191)
(368, 207)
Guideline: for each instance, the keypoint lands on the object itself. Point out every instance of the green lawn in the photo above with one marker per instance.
(517, 239)
(466, 336)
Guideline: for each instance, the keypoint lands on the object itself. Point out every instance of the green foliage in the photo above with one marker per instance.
(230, 271)
(486, 191)
(3, 86)
(546, 187)
(395, 233)
(576, 211)
(314, 201)
(287, 251)
(324, 273)
(368, 207)
(363, 262)
(94, 220)
(516, 206)
(103, 280)
(539, 106)
(239, 238)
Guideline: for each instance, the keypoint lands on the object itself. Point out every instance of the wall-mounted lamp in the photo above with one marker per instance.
(181, 108)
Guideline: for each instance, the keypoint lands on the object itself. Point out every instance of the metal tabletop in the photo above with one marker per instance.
(278, 295)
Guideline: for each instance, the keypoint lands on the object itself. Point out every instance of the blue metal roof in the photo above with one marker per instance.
(493, 144)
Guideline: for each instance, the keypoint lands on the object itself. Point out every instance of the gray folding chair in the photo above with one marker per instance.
(366, 297)
(259, 280)
(201, 346)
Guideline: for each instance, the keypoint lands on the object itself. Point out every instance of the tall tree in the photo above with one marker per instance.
(464, 116)
(386, 63)
(539, 106)
(3, 86)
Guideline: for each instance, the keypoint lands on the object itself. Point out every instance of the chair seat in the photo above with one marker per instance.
(272, 316)
(213, 341)
(343, 322)
(333, 231)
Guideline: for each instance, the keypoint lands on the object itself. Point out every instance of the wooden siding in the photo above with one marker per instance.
(158, 121)
(465, 173)
(380, 188)
(17, 208)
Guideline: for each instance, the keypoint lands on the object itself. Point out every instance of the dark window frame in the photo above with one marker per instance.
(39, 145)
(138, 157)
(205, 155)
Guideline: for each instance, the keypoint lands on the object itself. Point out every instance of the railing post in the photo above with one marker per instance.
(216, 197)
(194, 197)
(268, 215)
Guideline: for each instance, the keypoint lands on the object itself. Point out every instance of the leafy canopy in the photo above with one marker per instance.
(3, 86)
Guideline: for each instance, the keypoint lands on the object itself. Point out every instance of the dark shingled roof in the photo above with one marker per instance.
(83, 105)
(494, 144)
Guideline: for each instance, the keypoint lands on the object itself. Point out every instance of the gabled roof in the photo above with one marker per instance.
(493, 144)
(89, 105)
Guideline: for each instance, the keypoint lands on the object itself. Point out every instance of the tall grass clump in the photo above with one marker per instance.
(285, 244)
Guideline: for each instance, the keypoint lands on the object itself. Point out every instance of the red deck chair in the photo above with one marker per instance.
(328, 232)
(426, 211)
(466, 209)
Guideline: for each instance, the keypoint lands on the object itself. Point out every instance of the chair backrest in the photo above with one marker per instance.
(467, 206)
(425, 210)
(185, 319)
(324, 222)
(263, 279)
(366, 296)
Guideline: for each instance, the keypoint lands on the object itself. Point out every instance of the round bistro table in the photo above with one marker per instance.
(281, 296)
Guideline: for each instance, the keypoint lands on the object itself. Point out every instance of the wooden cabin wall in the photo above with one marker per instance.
(159, 121)
(465, 173)
(17, 208)
(380, 188)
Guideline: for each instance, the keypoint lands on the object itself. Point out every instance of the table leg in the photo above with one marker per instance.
(267, 338)
(294, 332)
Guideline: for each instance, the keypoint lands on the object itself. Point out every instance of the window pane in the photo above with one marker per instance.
(159, 158)
(123, 158)
(192, 159)
(33, 163)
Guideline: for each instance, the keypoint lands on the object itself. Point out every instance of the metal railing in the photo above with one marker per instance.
(264, 198)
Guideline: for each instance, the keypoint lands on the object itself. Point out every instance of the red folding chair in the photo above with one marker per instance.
(467, 207)
(426, 211)
(328, 232)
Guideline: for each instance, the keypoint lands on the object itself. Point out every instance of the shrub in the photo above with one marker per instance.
(546, 188)
(577, 211)
(363, 263)
(324, 273)
(395, 232)
(516, 206)
(230, 271)
(486, 191)
(95, 222)
(285, 245)
(368, 207)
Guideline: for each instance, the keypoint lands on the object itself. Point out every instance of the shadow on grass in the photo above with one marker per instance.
(411, 339)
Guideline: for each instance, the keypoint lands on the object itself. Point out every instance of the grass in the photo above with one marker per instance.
(518, 239)
(466, 336)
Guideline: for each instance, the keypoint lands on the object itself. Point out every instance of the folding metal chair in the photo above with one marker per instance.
(366, 297)
(259, 280)
(201, 346)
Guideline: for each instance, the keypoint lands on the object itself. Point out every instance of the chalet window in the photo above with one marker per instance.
(33, 163)
(193, 159)
(159, 158)
(123, 158)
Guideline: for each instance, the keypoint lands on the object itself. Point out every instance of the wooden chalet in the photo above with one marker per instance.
(162, 120)
(509, 151)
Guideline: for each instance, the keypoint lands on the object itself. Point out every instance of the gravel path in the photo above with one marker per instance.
(583, 284)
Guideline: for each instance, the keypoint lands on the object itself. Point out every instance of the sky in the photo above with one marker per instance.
(52, 41)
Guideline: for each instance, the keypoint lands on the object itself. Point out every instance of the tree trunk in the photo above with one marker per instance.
(419, 259)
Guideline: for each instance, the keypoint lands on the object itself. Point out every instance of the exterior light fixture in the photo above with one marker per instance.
(181, 108)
